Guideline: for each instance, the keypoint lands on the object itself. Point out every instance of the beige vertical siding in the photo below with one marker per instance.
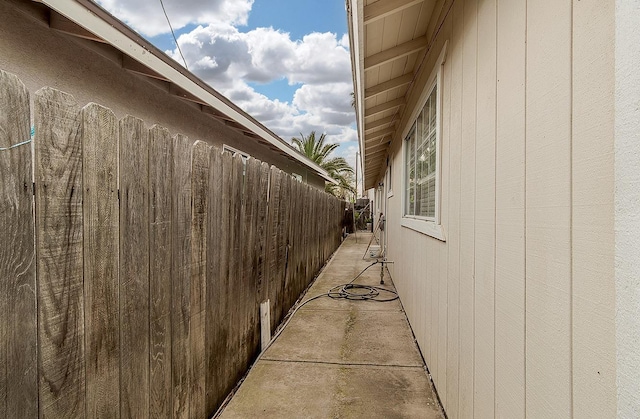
(510, 210)
(453, 69)
(593, 316)
(443, 277)
(548, 216)
(485, 213)
(514, 312)
(467, 207)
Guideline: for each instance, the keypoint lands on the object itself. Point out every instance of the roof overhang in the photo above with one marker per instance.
(85, 19)
(389, 41)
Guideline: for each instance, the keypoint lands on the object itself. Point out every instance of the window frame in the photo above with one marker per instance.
(388, 179)
(234, 151)
(426, 225)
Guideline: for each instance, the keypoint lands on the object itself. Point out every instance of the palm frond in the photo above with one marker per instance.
(317, 150)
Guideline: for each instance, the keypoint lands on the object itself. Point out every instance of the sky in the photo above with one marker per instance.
(285, 62)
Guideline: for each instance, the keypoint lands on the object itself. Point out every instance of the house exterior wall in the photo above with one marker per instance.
(92, 72)
(515, 312)
(627, 207)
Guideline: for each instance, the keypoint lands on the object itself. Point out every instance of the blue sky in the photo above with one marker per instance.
(285, 62)
(299, 18)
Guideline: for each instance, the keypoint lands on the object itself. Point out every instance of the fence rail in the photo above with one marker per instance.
(130, 285)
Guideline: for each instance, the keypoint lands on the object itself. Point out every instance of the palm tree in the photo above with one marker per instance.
(337, 167)
(344, 189)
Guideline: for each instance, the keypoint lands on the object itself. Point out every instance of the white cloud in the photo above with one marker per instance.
(265, 54)
(331, 102)
(228, 59)
(349, 154)
(146, 16)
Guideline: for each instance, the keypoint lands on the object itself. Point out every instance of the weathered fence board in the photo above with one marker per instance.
(217, 325)
(262, 292)
(235, 262)
(181, 276)
(100, 231)
(134, 268)
(153, 256)
(18, 329)
(274, 287)
(290, 269)
(249, 300)
(216, 322)
(160, 183)
(58, 167)
(283, 238)
(300, 249)
(199, 226)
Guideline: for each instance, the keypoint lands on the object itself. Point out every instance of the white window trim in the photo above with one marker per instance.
(388, 179)
(426, 225)
(430, 228)
(235, 151)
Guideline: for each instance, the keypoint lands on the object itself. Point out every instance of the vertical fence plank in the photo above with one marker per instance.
(306, 220)
(59, 255)
(299, 229)
(181, 277)
(297, 221)
(249, 257)
(213, 310)
(100, 231)
(200, 208)
(300, 232)
(315, 199)
(290, 270)
(272, 247)
(283, 236)
(235, 262)
(160, 181)
(218, 381)
(18, 327)
(244, 232)
(261, 234)
(134, 268)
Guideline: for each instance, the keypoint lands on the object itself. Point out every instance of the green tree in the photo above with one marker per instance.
(318, 151)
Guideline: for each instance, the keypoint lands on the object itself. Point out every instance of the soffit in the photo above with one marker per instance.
(393, 38)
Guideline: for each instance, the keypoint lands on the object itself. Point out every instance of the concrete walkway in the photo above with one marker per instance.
(340, 358)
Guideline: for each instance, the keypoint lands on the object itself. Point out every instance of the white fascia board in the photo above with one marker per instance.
(82, 16)
(357, 45)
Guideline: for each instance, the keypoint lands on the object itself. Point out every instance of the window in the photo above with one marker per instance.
(421, 160)
(421, 157)
(235, 151)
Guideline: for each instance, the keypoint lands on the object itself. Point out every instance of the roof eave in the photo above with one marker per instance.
(104, 25)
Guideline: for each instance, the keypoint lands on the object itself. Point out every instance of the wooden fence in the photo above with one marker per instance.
(130, 285)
